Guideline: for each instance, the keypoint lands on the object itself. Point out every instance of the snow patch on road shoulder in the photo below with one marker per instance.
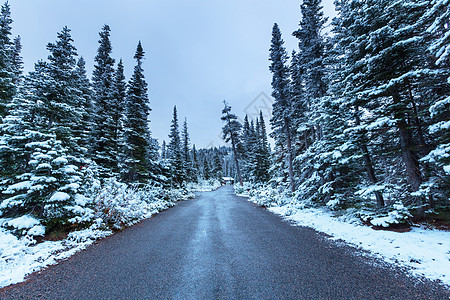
(22, 256)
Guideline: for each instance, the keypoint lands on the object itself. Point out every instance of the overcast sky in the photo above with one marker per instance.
(198, 52)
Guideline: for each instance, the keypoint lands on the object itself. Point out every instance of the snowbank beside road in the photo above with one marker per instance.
(22, 256)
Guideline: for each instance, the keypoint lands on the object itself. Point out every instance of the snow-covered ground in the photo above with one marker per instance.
(423, 252)
(116, 205)
(20, 257)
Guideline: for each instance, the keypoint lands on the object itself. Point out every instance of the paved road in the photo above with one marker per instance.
(219, 246)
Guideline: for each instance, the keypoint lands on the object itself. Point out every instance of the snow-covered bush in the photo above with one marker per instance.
(243, 190)
(53, 187)
(390, 215)
(120, 205)
(203, 185)
(267, 196)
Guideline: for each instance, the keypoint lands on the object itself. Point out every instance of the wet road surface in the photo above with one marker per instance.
(219, 246)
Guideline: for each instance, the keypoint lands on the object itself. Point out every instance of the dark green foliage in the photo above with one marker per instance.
(174, 152)
(7, 88)
(282, 125)
(136, 131)
(104, 145)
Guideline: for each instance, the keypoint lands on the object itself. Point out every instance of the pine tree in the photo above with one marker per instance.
(206, 169)
(7, 88)
(83, 132)
(346, 61)
(163, 150)
(53, 95)
(311, 49)
(195, 165)
(104, 146)
(437, 24)
(16, 61)
(175, 153)
(232, 133)
(117, 112)
(262, 152)
(217, 167)
(136, 131)
(282, 106)
(186, 152)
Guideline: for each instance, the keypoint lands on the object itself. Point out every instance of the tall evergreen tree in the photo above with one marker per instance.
(119, 96)
(136, 130)
(53, 95)
(163, 150)
(84, 87)
(7, 89)
(195, 164)
(104, 146)
(262, 152)
(175, 152)
(16, 61)
(186, 152)
(348, 36)
(282, 130)
(232, 133)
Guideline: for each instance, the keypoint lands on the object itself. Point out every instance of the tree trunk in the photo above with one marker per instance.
(409, 156)
(423, 145)
(238, 170)
(369, 165)
(371, 174)
(289, 149)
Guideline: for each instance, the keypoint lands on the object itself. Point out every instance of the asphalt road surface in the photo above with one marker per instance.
(219, 246)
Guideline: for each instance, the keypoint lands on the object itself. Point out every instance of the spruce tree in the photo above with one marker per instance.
(117, 113)
(84, 87)
(53, 96)
(195, 165)
(175, 152)
(136, 130)
(163, 150)
(186, 152)
(262, 152)
(282, 130)
(348, 36)
(206, 170)
(104, 146)
(7, 88)
(16, 61)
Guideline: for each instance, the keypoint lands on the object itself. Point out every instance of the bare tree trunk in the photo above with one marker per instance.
(289, 149)
(369, 165)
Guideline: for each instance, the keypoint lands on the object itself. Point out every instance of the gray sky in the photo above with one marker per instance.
(198, 52)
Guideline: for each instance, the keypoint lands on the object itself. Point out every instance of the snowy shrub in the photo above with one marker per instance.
(203, 185)
(120, 205)
(267, 196)
(243, 190)
(391, 215)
